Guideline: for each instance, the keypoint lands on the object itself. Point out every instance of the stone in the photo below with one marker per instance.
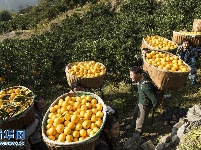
(148, 146)
(175, 140)
(182, 129)
(165, 139)
(160, 146)
(194, 113)
(174, 131)
(133, 143)
(180, 123)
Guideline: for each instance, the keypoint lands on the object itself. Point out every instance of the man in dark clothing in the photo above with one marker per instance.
(186, 53)
(146, 99)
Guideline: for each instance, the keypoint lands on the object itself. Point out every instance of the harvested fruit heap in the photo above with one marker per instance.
(190, 33)
(14, 100)
(166, 61)
(74, 118)
(158, 42)
(88, 69)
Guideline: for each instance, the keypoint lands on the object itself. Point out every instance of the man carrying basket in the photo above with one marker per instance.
(146, 99)
(186, 53)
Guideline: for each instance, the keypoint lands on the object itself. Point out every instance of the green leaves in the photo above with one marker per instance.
(113, 38)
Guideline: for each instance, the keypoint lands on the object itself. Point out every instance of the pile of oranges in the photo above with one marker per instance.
(88, 69)
(166, 61)
(14, 100)
(160, 43)
(74, 118)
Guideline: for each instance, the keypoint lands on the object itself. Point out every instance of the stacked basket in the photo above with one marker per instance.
(163, 79)
(195, 39)
(17, 107)
(89, 82)
(86, 144)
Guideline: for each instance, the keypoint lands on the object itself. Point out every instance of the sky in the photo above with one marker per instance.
(15, 5)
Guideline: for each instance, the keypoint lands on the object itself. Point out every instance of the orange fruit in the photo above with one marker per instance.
(52, 109)
(76, 134)
(93, 125)
(67, 130)
(69, 138)
(50, 121)
(88, 98)
(48, 126)
(78, 126)
(98, 123)
(87, 115)
(66, 122)
(99, 114)
(83, 133)
(86, 124)
(61, 137)
(67, 99)
(83, 108)
(99, 106)
(81, 138)
(60, 128)
(88, 131)
(92, 133)
(71, 125)
(60, 102)
(52, 131)
(51, 137)
(94, 101)
(95, 129)
(93, 118)
(74, 118)
(75, 139)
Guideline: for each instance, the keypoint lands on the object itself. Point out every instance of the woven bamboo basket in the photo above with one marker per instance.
(22, 119)
(94, 83)
(196, 25)
(145, 45)
(194, 40)
(165, 80)
(87, 144)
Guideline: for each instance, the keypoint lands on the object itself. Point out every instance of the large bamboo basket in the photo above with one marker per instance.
(165, 80)
(194, 40)
(94, 83)
(22, 119)
(87, 144)
(145, 45)
(196, 25)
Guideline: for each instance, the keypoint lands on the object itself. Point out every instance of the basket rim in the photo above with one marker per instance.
(189, 68)
(150, 47)
(16, 116)
(66, 70)
(89, 139)
(187, 35)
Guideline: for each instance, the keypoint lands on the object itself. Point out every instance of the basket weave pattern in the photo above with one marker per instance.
(165, 80)
(178, 37)
(20, 122)
(88, 144)
(197, 25)
(95, 82)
